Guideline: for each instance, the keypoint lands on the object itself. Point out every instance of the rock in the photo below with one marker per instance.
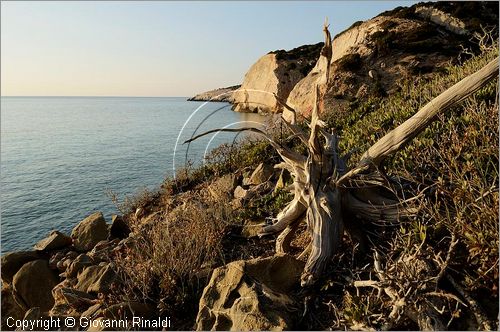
(119, 228)
(243, 195)
(11, 263)
(102, 251)
(33, 285)
(96, 279)
(261, 189)
(240, 193)
(443, 19)
(80, 262)
(89, 232)
(251, 228)
(223, 187)
(55, 240)
(72, 300)
(221, 94)
(251, 295)
(129, 309)
(261, 174)
(276, 72)
(55, 259)
(10, 308)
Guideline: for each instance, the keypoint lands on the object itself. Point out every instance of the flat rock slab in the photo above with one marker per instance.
(55, 240)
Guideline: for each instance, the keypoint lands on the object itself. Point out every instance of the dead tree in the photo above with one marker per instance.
(323, 189)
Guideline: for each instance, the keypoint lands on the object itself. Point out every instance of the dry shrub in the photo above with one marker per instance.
(172, 256)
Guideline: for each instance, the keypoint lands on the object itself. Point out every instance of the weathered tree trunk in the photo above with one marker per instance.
(320, 177)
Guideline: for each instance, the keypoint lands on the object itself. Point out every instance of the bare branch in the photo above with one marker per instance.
(287, 154)
(398, 137)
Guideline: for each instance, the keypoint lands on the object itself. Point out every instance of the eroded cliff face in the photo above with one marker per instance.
(275, 73)
(372, 57)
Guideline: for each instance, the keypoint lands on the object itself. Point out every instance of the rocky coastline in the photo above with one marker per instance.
(217, 95)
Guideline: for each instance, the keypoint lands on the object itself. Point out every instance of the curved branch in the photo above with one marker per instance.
(284, 152)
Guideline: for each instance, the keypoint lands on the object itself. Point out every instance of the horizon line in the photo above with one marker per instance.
(80, 96)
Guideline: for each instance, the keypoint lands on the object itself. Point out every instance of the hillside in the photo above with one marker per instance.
(372, 58)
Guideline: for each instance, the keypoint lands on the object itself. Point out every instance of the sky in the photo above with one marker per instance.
(157, 48)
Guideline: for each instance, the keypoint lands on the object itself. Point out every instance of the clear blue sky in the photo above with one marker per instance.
(155, 48)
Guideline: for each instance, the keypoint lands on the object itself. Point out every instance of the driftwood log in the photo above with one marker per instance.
(325, 191)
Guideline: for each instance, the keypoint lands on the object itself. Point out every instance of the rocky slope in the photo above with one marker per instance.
(221, 94)
(371, 58)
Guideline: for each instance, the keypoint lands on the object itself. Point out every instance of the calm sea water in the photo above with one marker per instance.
(59, 155)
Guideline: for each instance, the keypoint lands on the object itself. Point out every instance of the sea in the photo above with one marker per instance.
(61, 157)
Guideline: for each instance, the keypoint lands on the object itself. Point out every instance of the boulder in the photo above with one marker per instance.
(80, 262)
(119, 228)
(252, 228)
(102, 250)
(251, 295)
(33, 285)
(89, 232)
(260, 175)
(96, 279)
(11, 263)
(55, 240)
(223, 187)
(69, 301)
(10, 308)
(242, 194)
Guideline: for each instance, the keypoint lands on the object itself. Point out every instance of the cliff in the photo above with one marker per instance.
(276, 72)
(370, 58)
